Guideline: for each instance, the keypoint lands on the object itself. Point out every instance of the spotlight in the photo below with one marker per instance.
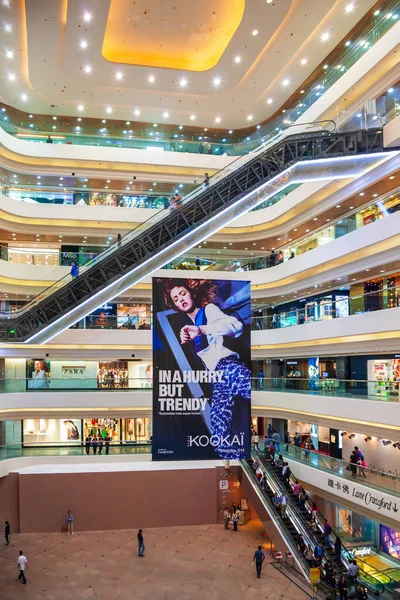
(368, 439)
(351, 436)
(343, 433)
(386, 442)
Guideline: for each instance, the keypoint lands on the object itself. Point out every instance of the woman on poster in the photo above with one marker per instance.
(207, 325)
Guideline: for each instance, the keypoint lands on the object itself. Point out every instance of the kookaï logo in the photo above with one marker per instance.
(215, 440)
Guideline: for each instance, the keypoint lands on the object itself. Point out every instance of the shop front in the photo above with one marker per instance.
(59, 432)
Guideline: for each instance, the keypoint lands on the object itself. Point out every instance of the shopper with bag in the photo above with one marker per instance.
(258, 560)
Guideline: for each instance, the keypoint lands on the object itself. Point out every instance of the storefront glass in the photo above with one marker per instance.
(48, 431)
(136, 430)
(102, 428)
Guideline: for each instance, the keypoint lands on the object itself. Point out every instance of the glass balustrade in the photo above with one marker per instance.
(46, 449)
(377, 479)
(382, 391)
(353, 49)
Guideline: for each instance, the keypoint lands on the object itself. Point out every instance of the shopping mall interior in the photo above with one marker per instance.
(199, 287)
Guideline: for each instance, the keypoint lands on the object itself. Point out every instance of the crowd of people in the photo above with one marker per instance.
(96, 443)
(316, 556)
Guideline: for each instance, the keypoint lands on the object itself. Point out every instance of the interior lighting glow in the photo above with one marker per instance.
(87, 16)
(83, 44)
(303, 61)
(347, 43)
(192, 118)
(238, 59)
(325, 37)
(119, 75)
(390, 90)
(151, 79)
(9, 54)
(88, 69)
(80, 107)
(7, 27)
(269, 101)
(285, 82)
(217, 81)
(250, 117)
(349, 8)
(254, 32)
(218, 119)
(109, 110)
(136, 112)
(165, 115)
(24, 97)
(183, 82)
(11, 76)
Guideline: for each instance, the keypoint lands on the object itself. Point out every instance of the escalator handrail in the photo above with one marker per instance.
(159, 215)
(278, 522)
(345, 555)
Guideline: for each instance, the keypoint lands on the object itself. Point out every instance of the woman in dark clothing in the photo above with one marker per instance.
(7, 530)
(338, 547)
(353, 464)
(342, 587)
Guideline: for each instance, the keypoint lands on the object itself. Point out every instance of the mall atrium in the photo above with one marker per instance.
(200, 289)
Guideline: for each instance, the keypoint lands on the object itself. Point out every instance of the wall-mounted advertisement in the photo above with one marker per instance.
(38, 374)
(202, 376)
(390, 541)
(70, 430)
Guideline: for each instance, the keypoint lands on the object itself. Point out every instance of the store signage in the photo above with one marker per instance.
(73, 372)
(363, 551)
(202, 369)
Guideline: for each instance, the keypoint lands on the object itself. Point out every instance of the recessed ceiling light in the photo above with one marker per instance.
(217, 81)
(285, 82)
(151, 79)
(88, 69)
(24, 97)
(269, 101)
(83, 44)
(362, 193)
(165, 115)
(390, 90)
(303, 61)
(250, 117)
(238, 59)
(183, 82)
(367, 269)
(338, 205)
(80, 107)
(392, 177)
(7, 27)
(349, 8)
(11, 76)
(136, 112)
(205, 129)
(351, 207)
(254, 32)
(307, 230)
(109, 110)
(9, 54)
(325, 36)
(218, 119)
(108, 181)
(118, 75)
(87, 16)
(315, 219)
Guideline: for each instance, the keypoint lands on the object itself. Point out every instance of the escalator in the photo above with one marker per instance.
(247, 182)
(302, 525)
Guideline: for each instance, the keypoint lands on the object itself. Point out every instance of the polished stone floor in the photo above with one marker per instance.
(185, 563)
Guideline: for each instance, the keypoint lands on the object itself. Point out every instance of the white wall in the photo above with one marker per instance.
(86, 380)
(391, 134)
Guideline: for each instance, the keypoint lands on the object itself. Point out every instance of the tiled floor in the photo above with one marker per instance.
(185, 563)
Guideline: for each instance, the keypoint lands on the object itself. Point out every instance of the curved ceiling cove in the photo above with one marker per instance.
(231, 63)
(173, 35)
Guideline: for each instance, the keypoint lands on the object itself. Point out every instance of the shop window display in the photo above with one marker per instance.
(136, 430)
(133, 316)
(51, 431)
(111, 375)
(102, 428)
(37, 374)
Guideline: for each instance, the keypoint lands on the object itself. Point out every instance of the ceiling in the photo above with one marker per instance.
(231, 62)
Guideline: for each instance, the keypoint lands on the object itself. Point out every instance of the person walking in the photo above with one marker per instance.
(70, 523)
(141, 546)
(342, 587)
(235, 519)
(74, 270)
(258, 559)
(227, 518)
(107, 444)
(22, 565)
(197, 263)
(7, 531)
(88, 442)
(256, 440)
(338, 547)
(284, 502)
(119, 240)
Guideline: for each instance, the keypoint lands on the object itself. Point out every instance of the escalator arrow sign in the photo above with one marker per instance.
(395, 508)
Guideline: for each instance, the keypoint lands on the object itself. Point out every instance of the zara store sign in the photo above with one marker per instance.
(71, 372)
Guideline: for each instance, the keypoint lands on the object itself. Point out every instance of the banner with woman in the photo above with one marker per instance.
(202, 369)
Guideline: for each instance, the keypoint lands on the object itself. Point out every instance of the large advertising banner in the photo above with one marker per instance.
(202, 376)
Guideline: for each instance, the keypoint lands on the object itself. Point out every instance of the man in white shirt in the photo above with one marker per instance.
(283, 505)
(22, 565)
(227, 518)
